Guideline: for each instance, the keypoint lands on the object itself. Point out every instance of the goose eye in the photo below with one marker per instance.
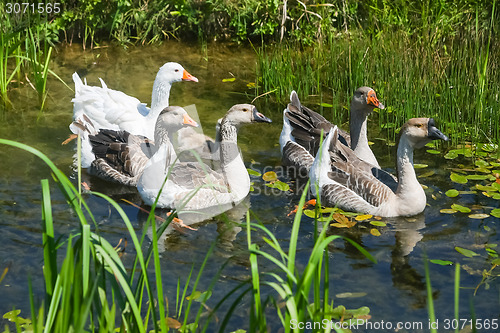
(419, 125)
(176, 70)
(245, 109)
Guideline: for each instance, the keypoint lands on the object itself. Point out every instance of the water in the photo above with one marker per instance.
(394, 288)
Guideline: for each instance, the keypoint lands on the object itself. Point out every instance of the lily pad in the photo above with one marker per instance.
(375, 232)
(461, 209)
(478, 216)
(495, 212)
(433, 151)
(278, 184)
(326, 105)
(378, 223)
(477, 177)
(420, 166)
(270, 176)
(255, 173)
(483, 170)
(309, 213)
(452, 193)
(461, 179)
(363, 217)
(466, 252)
(481, 163)
(441, 262)
(427, 174)
(486, 188)
(231, 79)
(448, 211)
(451, 155)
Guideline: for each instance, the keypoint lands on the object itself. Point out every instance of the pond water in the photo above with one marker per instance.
(393, 288)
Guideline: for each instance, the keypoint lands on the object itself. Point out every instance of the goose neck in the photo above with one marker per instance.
(232, 165)
(407, 179)
(159, 97)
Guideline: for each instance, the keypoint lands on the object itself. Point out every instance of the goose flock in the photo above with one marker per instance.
(125, 142)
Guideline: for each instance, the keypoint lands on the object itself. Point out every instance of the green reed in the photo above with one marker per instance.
(292, 285)
(91, 288)
(454, 81)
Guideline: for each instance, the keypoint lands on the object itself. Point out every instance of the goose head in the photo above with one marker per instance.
(420, 131)
(173, 72)
(172, 119)
(240, 114)
(365, 100)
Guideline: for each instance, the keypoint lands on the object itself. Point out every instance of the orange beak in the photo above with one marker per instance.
(188, 77)
(189, 121)
(372, 100)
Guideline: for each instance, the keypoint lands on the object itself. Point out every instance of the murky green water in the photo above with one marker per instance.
(394, 288)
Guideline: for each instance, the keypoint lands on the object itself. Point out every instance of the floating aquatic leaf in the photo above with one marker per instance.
(431, 144)
(467, 192)
(350, 295)
(328, 210)
(466, 252)
(350, 214)
(420, 166)
(363, 217)
(486, 188)
(427, 174)
(496, 185)
(11, 315)
(481, 163)
(489, 147)
(231, 79)
(375, 232)
(461, 209)
(433, 151)
(199, 296)
(342, 221)
(452, 193)
(172, 323)
(441, 262)
(461, 179)
(486, 228)
(495, 212)
(483, 170)
(378, 223)
(492, 253)
(477, 177)
(496, 262)
(495, 164)
(451, 155)
(326, 105)
(270, 176)
(252, 172)
(278, 184)
(448, 211)
(309, 213)
(478, 216)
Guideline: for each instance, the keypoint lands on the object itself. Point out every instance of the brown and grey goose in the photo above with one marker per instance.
(341, 183)
(121, 156)
(302, 127)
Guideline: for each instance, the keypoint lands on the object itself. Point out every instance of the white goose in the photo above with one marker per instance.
(302, 127)
(340, 183)
(121, 156)
(194, 186)
(112, 109)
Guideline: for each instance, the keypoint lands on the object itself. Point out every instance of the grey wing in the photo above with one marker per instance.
(356, 175)
(191, 175)
(294, 155)
(120, 152)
